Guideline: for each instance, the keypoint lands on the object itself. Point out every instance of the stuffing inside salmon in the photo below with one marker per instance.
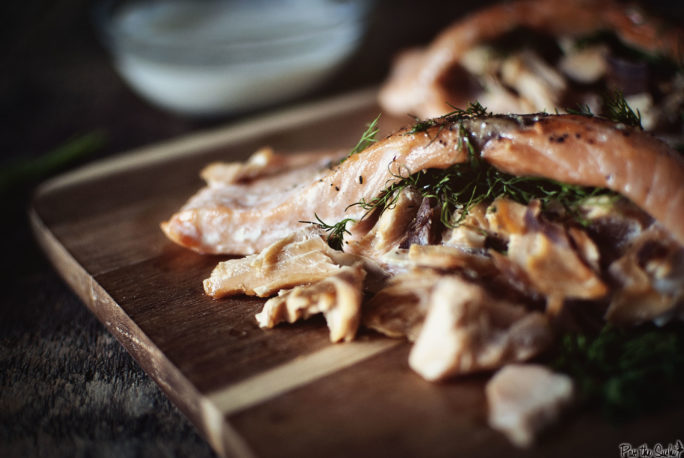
(554, 266)
(528, 56)
(651, 279)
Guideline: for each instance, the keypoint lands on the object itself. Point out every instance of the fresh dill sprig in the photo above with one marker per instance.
(335, 232)
(389, 196)
(474, 110)
(624, 371)
(618, 110)
(581, 110)
(367, 138)
(421, 125)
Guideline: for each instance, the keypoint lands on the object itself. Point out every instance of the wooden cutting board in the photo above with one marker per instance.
(285, 392)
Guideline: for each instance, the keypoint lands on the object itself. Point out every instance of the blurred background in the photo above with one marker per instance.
(66, 387)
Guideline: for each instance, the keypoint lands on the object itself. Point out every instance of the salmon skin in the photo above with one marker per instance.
(245, 217)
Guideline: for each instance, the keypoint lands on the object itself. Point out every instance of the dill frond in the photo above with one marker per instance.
(582, 110)
(335, 232)
(421, 125)
(618, 110)
(474, 110)
(367, 138)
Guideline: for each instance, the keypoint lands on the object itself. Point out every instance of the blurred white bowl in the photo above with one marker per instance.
(218, 56)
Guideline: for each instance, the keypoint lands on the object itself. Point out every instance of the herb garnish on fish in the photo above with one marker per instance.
(367, 138)
(335, 232)
(617, 110)
(462, 186)
(474, 110)
(458, 188)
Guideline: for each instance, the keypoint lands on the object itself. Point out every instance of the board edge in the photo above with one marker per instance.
(199, 409)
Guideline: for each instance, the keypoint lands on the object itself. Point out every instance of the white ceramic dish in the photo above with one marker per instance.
(219, 56)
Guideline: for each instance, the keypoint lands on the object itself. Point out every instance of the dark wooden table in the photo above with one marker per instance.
(67, 388)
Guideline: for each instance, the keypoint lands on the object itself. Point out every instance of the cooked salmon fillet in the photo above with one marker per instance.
(245, 217)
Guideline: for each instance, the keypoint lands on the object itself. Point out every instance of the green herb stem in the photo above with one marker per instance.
(24, 171)
(616, 110)
(335, 232)
(367, 138)
(474, 110)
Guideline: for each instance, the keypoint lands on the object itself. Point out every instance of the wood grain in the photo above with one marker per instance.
(282, 392)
